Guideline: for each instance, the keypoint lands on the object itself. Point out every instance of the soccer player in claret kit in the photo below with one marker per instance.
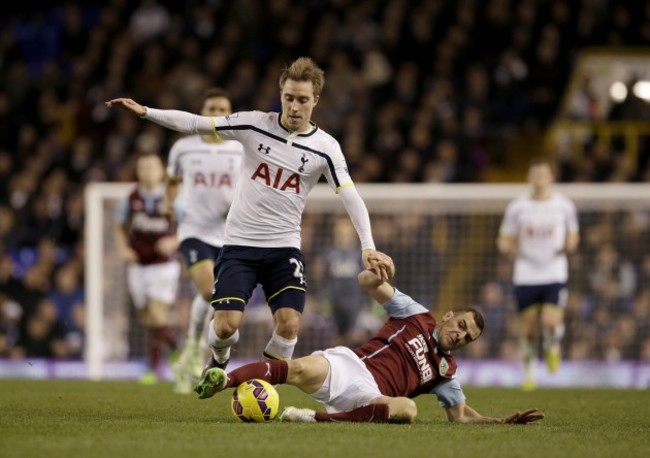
(285, 154)
(538, 229)
(202, 172)
(409, 356)
(146, 240)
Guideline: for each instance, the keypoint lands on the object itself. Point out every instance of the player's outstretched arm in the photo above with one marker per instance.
(462, 413)
(180, 121)
(128, 104)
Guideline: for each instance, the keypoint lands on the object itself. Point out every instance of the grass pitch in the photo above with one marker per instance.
(123, 419)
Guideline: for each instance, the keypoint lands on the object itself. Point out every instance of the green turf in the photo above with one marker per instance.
(123, 419)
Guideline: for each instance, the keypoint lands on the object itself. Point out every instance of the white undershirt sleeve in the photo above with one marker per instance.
(358, 213)
(181, 121)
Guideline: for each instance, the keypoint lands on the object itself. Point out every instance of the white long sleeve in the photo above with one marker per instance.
(358, 213)
(181, 121)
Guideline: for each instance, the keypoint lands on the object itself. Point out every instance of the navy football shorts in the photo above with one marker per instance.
(280, 271)
(195, 251)
(531, 295)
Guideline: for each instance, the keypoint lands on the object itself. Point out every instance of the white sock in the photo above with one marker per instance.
(279, 347)
(221, 347)
(198, 313)
(529, 357)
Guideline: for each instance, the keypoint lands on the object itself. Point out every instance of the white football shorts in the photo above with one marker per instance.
(153, 281)
(349, 383)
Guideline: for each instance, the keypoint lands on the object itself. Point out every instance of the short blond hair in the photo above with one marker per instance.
(304, 69)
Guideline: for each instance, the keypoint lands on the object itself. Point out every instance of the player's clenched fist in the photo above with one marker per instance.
(380, 263)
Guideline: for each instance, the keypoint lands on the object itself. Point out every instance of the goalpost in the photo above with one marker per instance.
(442, 238)
(100, 199)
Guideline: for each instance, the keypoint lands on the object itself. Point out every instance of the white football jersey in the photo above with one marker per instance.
(279, 170)
(209, 173)
(540, 228)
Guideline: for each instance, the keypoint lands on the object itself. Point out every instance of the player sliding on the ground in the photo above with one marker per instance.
(410, 355)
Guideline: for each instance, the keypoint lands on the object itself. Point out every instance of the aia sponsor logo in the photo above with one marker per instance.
(278, 179)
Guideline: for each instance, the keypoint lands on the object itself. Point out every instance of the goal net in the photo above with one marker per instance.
(442, 239)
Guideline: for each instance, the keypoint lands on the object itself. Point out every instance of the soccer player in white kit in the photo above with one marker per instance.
(202, 172)
(285, 154)
(539, 229)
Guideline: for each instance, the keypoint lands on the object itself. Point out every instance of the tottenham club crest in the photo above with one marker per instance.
(443, 367)
(304, 161)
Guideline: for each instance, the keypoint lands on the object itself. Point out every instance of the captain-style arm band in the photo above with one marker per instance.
(358, 213)
(180, 121)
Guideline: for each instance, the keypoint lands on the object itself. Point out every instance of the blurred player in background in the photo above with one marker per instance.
(538, 229)
(204, 170)
(285, 156)
(409, 356)
(146, 239)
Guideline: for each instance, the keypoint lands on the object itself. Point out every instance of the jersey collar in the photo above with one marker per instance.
(313, 130)
(438, 349)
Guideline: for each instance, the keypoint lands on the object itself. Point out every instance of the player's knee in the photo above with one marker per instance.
(288, 327)
(297, 369)
(206, 294)
(226, 327)
(404, 410)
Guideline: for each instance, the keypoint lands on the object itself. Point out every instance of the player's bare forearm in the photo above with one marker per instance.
(171, 193)
(368, 279)
(167, 245)
(375, 286)
(122, 241)
(507, 245)
(128, 104)
(572, 241)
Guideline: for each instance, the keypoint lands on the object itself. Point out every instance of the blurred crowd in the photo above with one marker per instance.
(425, 91)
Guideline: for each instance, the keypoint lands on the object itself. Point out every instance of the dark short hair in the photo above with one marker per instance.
(478, 316)
(146, 153)
(540, 160)
(215, 92)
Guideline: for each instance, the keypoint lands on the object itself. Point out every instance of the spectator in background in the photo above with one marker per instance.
(341, 264)
(43, 334)
(10, 315)
(494, 307)
(67, 294)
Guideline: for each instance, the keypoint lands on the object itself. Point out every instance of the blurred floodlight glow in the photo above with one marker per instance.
(642, 90)
(618, 91)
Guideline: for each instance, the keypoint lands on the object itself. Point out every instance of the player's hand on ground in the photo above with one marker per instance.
(525, 417)
(128, 104)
